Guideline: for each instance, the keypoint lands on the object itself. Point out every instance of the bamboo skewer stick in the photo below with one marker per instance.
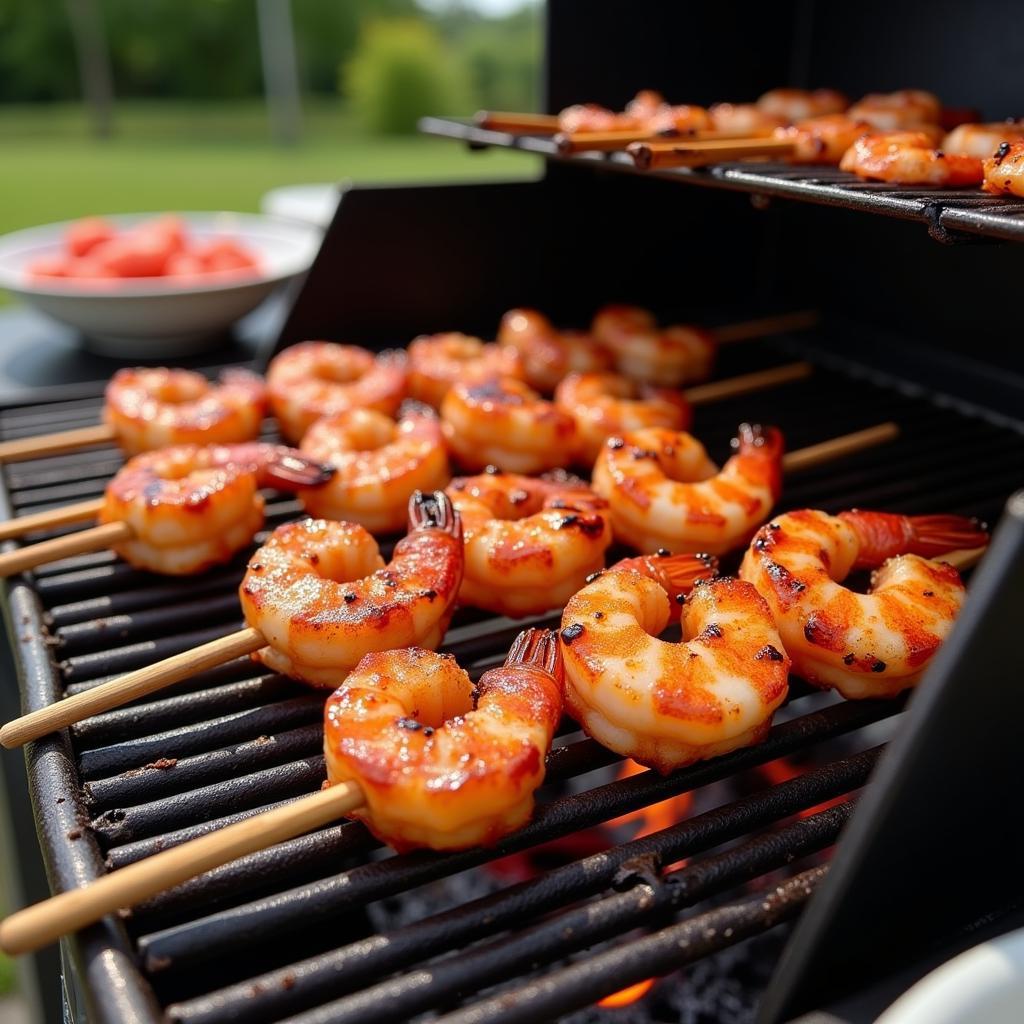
(615, 139)
(55, 444)
(96, 538)
(747, 330)
(838, 447)
(46, 922)
(654, 155)
(37, 521)
(761, 380)
(964, 559)
(524, 124)
(129, 687)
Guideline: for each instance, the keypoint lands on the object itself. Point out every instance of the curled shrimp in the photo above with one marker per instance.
(909, 158)
(591, 117)
(441, 763)
(681, 119)
(320, 378)
(505, 423)
(322, 597)
(665, 356)
(378, 463)
(864, 645)
(743, 119)
(982, 140)
(151, 408)
(822, 140)
(799, 104)
(665, 492)
(530, 543)
(903, 110)
(548, 354)
(603, 404)
(438, 361)
(193, 507)
(667, 704)
(1004, 170)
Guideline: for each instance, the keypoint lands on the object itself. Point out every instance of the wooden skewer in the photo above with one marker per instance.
(129, 687)
(54, 444)
(46, 922)
(965, 558)
(96, 538)
(524, 124)
(732, 387)
(745, 330)
(615, 139)
(837, 447)
(653, 155)
(77, 513)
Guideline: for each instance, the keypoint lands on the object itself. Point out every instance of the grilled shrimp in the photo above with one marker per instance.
(743, 119)
(152, 408)
(604, 404)
(591, 117)
(903, 110)
(530, 543)
(799, 104)
(982, 140)
(548, 354)
(908, 158)
(320, 378)
(681, 119)
(666, 356)
(378, 464)
(662, 703)
(438, 361)
(192, 507)
(865, 645)
(320, 594)
(441, 763)
(822, 140)
(665, 492)
(504, 423)
(1004, 170)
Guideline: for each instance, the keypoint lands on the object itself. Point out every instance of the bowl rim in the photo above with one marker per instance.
(306, 237)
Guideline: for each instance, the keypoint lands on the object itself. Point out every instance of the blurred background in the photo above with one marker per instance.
(148, 105)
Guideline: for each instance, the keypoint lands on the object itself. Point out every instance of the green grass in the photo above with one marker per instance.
(173, 156)
(6, 975)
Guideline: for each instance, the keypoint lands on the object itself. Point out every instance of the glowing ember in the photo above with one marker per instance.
(627, 996)
(656, 817)
(782, 770)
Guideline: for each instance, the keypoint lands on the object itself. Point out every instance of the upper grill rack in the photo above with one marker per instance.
(946, 212)
(282, 932)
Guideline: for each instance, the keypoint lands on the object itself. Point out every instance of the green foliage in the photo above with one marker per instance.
(400, 72)
(37, 58)
(6, 975)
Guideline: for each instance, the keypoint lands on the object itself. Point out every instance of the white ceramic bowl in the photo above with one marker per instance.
(156, 317)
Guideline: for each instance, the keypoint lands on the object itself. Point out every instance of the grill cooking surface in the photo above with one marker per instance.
(944, 211)
(296, 930)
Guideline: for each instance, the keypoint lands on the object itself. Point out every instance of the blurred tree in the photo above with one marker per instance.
(402, 71)
(37, 56)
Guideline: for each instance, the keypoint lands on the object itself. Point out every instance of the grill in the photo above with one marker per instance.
(290, 932)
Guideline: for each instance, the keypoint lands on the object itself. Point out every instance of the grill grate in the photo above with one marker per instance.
(945, 211)
(284, 931)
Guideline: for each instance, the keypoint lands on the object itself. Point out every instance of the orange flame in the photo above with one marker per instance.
(658, 816)
(627, 996)
(782, 770)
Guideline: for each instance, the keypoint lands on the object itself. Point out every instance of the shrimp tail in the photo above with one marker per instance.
(883, 535)
(288, 469)
(537, 648)
(767, 444)
(434, 511)
(677, 574)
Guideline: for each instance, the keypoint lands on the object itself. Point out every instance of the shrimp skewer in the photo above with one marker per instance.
(864, 645)
(181, 510)
(514, 718)
(317, 597)
(150, 408)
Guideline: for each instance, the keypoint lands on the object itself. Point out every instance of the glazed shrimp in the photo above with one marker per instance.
(668, 704)
(156, 407)
(320, 378)
(530, 543)
(799, 104)
(603, 404)
(743, 119)
(982, 140)
(665, 492)
(864, 645)
(682, 119)
(548, 354)
(378, 464)
(908, 158)
(441, 763)
(504, 423)
(645, 352)
(822, 140)
(903, 110)
(438, 361)
(320, 594)
(190, 508)
(591, 117)
(1004, 170)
